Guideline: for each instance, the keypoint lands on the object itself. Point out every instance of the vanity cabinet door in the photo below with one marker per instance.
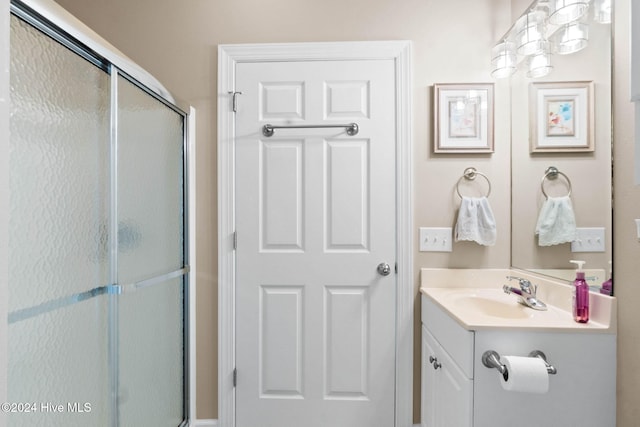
(428, 381)
(447, 393)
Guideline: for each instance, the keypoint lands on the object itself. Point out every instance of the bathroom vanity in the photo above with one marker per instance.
(461, 322)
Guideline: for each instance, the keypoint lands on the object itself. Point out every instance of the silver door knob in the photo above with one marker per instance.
(384, 269)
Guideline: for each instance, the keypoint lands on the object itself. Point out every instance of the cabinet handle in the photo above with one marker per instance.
(434, 361)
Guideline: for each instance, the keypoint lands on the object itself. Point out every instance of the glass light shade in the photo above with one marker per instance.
(570, 38)
(539, 64)
(503, 60)
(530, 30)
(564, 11)
(602, 11)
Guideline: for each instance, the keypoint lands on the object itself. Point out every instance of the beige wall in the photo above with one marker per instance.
(626, 249)
(177, 42)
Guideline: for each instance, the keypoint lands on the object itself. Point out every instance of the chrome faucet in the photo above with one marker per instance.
(526, 293)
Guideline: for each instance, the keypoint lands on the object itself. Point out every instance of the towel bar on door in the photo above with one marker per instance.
(552, 173)
(470, 174)
(352, 128)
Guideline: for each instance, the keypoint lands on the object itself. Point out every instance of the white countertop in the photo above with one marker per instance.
(484, 305)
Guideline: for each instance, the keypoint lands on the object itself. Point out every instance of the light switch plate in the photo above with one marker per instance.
(589, 239)
(436, 239)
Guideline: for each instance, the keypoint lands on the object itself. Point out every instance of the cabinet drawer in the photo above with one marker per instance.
(457, 341)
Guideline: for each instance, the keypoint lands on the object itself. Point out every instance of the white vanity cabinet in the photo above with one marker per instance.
(463, 392)
(447, 371)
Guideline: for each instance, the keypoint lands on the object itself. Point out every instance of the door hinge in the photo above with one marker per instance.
(235, 240)
(235, 376)
(234, 100)
(396, 268)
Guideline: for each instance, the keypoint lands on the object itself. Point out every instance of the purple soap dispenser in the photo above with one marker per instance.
(580, 295)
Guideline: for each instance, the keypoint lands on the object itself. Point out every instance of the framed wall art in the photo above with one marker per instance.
(463, 118)
(561, 117)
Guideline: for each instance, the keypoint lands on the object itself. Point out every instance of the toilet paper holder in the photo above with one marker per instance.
(491, 359)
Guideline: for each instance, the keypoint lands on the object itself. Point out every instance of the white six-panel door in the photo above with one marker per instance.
(315, 216)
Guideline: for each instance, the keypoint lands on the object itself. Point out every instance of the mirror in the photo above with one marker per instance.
(587, 173)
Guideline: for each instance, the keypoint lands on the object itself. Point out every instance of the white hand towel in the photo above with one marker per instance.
(556, 222)
(476, 222)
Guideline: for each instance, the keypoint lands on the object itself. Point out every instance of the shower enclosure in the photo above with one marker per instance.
(98, 268)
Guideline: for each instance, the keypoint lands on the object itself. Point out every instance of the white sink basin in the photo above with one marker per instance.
(494, 307)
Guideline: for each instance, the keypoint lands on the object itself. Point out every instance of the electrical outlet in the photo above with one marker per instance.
(436, 239)
(589, 239)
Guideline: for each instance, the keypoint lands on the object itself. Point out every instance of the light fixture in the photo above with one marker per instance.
(602, 11)
(539, 64)
(503, 59)
(564, 11)
(570, 38)
(530, 32)
(546, 27)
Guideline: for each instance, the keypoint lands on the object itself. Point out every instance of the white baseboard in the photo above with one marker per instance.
(204, 423)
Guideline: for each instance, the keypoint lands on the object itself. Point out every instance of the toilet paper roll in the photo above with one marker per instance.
(525, 374)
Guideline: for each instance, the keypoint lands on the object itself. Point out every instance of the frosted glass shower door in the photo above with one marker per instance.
(151, 242)
(58, 240)
(98, 269)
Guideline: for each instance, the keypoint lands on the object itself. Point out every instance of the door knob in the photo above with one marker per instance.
(384, 269)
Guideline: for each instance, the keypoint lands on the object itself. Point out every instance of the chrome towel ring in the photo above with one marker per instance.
(470, 174)
(552, 173)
